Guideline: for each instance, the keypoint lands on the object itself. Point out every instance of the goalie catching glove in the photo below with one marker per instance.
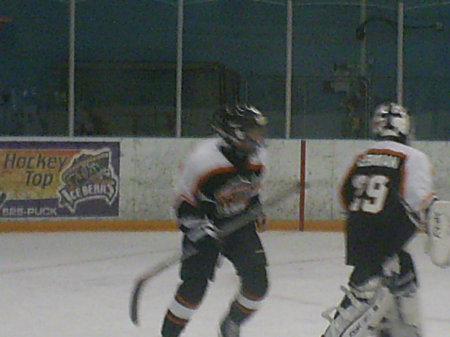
(438, 240)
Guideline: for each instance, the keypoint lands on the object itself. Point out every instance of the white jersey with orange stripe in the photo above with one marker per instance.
(418, 174)
(381, 181)
(371, 181)
(216, 186)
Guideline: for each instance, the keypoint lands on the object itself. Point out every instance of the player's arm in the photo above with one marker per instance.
(190, 212)
(433, 214)
(418, 191)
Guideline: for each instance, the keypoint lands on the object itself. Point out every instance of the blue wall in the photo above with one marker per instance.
(249, 38)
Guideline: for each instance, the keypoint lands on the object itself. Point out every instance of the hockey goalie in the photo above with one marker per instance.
(387, 194)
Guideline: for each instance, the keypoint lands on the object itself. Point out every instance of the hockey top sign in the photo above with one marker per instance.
(53, 179)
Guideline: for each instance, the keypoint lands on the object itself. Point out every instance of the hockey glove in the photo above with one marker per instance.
(204, 235)
(261, 223)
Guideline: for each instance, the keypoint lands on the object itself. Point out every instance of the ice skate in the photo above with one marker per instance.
(228, 328)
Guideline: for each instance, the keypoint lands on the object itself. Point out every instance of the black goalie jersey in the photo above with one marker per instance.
(216, 185)
(382, 180)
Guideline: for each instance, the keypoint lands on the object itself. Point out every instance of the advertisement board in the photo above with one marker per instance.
(59, 179)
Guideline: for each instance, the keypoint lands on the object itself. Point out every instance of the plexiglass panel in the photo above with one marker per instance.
(125, 75)
(33, 40)
(329, 88)
(242, 43)
(345, 60)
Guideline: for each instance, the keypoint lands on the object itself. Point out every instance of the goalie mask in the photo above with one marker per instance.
(391, 120)
(242, 126)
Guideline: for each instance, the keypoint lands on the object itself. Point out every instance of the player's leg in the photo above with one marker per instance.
(405, 319)
(364, 305)
(195, 274)
(245, 251)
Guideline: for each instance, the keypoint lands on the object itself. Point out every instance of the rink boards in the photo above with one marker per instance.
(127, 184)
(150, 225)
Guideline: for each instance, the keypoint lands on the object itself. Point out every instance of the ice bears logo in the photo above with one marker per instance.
(235, 196)
(90, 176)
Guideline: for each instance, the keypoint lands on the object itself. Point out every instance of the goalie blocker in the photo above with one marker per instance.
(438, 243)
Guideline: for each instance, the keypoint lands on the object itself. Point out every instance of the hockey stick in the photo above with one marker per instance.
(252, 214)
(2, 198)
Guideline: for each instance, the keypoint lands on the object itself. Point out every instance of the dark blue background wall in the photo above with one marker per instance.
(247, 37)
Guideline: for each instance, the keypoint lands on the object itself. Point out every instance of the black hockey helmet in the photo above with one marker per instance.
(241, 126)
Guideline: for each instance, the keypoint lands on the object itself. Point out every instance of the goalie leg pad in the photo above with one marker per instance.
(404, 320)
(357, 316)
(439, 233)
(405, 291)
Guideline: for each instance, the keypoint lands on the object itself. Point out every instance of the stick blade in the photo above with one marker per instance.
(134, 303)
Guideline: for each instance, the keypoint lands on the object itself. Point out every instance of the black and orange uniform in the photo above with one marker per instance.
(385, 185)
(218, 184)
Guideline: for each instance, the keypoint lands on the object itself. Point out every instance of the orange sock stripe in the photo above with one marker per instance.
(176, 320)
(252, 297)
(244, 309)
(187, 304)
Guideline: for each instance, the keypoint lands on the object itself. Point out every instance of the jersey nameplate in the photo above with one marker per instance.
(384, 160)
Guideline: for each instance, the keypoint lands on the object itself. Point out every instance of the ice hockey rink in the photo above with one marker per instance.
(78, 284)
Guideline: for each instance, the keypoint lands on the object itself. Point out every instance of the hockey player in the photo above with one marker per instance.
(220, 181)
(386, 194)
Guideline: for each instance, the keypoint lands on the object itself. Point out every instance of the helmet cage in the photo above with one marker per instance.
(391, 120)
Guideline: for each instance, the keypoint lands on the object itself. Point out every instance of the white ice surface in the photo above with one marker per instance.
(78, 285)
